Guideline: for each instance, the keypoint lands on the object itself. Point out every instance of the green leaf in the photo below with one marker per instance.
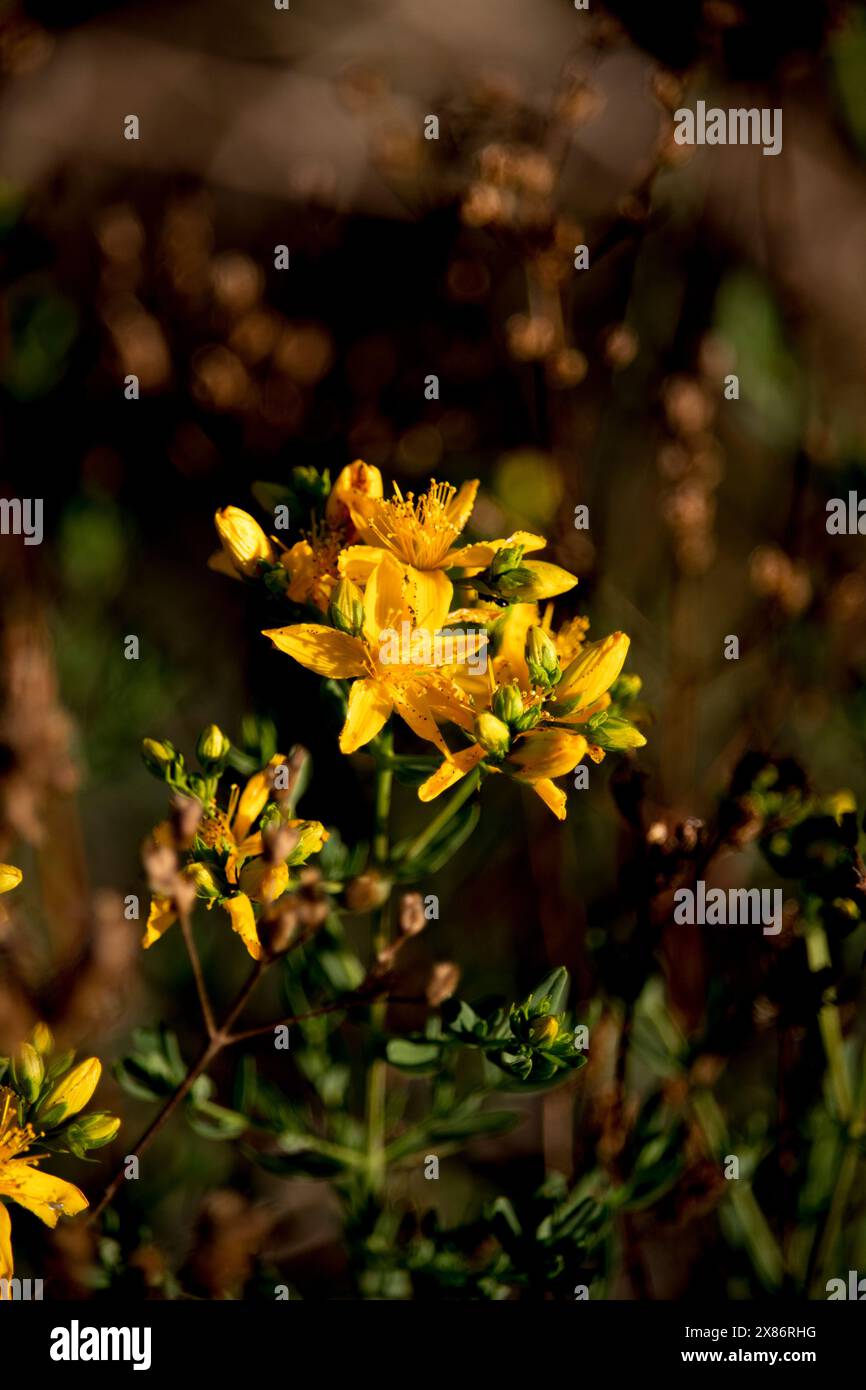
(214, 1121)
(422, 1057)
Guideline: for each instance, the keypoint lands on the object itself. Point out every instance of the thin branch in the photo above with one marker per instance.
(198, 973)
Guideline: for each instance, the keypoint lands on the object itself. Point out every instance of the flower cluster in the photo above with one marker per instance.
(242, 851)
(41, 1095)
(372, 567)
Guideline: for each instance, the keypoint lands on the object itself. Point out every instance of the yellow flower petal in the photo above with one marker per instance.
(43, 1194)
(552, 796)
(451, 771)
(384, 598)
(459, 509)
(6, 1265)
(240, 910)
(249, 848)
(478, 556)
(10, 877)
(321, 649)
(162, 915)
(359, 561)
(429, 597)
(411, 703)
(370, 705)
(254, 799)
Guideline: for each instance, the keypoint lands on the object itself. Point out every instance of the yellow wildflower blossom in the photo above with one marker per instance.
(21, 1180)
(420, 692)
(229, 833)
(420, 533)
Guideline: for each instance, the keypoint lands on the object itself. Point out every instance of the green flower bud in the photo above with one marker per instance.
(508, 703)
(91, 1131)
(544, 1029)
(28, 1071)
(541, 659)
(617, 734)
(508, 558)
(626, 688)
(206, 885)
(346, 609)
(212, 746)
(159, 756)
(492, 734)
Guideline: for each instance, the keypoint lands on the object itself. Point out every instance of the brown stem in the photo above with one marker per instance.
(219, 1038)
(198, 973)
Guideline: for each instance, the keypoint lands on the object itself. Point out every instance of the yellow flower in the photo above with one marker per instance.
(312, 567)
(420, 692)
(21, 1181)
(420, 533)
(10, 877)
(244, 544)
(229, 833)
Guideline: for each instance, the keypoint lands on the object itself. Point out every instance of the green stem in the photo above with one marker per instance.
(384, 784)
(830, 1024)
(759, 1239)
(377, 1077)
(829, 1231)
(429, 833)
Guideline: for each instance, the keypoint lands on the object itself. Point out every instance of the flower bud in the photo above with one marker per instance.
(626, 687)
(367, 891)
(356, 482)
(264, 882)
(159, 756)
(72, 1092)
(492, 734)
(212, 746)
(42, 1038)
(311, 834)
(508, 703)
(346, 608)
(243, 540)
(543, 1029)
(91, 1131)
(28, 1070)
(442, 983)
(10, 877)
(507, 559)
(534, 580)
(412, 918)
(617, 734)
(278, 927)
(594, 670)
(541, 658)
(200, 876)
